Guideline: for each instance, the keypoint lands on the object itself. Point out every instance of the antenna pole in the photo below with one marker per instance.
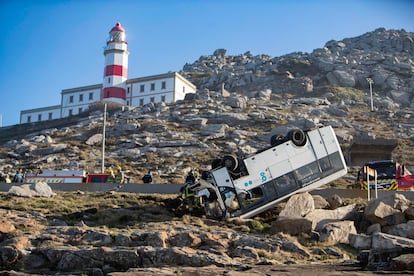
(103, 141)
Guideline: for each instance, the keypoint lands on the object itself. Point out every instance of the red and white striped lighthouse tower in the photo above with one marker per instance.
(116, 66)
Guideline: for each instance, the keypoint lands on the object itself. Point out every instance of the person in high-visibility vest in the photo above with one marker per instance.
(111, 172)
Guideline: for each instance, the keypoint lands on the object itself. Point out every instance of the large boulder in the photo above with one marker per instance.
(9, 255)
(387, 210)
(342, 78)
(401, 97)
(320, 217)
(157, 239)
(320, 202)
(24, 147)
(337, 232)
(389, 243)
(404, 262)
(298, 206)
(95, 139)
(383, 214)
(335, 201)
(360, 241)
(185, 239)
(54, 148)
(236, 101)
(291, 219)
(41, 189)
(405, 230)
(217, 130)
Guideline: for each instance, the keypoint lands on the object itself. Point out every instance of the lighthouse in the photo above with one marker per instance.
(115, 87)
(116, 66)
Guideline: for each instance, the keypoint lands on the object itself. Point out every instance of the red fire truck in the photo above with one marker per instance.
(391, 175)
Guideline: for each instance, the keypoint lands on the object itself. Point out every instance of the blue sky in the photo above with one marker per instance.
(47, 46)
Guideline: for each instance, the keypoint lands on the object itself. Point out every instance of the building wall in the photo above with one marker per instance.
(144, 91)
(40, 114)
(77, 100)
(168, 88)
(182, 87)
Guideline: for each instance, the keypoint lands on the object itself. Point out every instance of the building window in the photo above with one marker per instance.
(50, 115)
(163, 98)
(90, 96)
(81, 98)
(183, 89)
(71, 99)
(29, 118)
(127, 102)
(39, 117)
(80, 110)
(152, 86)
(163, 85)
(141, 102)
(128, 90)
(109, 80)
(152, 99)
(70, 112)
(142, 88)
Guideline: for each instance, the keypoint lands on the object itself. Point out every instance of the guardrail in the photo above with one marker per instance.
(102, 187)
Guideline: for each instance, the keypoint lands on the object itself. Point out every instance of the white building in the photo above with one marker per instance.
(116, 87)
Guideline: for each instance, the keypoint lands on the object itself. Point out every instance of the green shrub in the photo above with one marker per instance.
(256, 225)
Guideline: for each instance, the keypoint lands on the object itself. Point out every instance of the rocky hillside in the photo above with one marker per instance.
(261, 96)
(385, 56)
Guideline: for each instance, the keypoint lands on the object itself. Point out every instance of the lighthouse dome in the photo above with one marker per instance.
(118, 28)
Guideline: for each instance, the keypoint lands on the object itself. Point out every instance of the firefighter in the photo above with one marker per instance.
(189, 196)
(190, 178)
(111, 172)
(196, 174)
(119, 176)
(191, 202)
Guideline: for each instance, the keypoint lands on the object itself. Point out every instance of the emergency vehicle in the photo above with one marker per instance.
(391, 175)
(244, 187)
(71, 176)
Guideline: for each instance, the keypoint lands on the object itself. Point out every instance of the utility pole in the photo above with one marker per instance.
(103, 141)
(371, 82)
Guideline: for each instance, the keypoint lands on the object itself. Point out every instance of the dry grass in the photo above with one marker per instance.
(95, 209)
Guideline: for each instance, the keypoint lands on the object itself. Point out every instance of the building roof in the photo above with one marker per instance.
(161, 76)
(47, 108)
(81, 88)
(133, 80)
(370, 144)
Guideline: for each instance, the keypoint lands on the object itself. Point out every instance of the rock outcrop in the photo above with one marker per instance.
(54, 246)
(385, 56)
